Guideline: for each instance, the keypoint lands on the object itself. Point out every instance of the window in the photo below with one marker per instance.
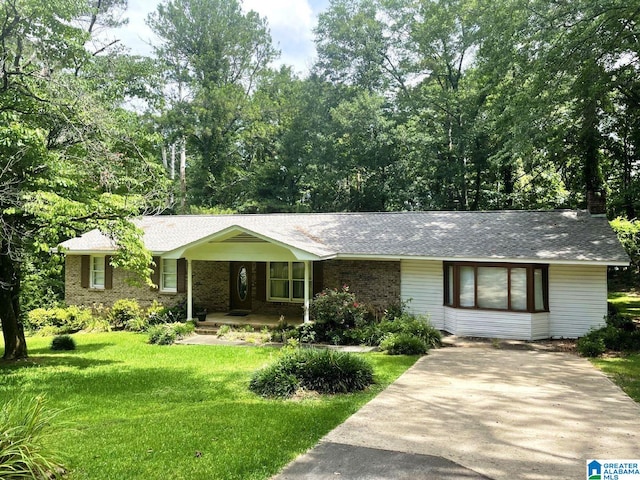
(97, 273)
(168, 275)
(286, 281)
(520, 288)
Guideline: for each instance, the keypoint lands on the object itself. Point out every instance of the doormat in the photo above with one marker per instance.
(237, 313)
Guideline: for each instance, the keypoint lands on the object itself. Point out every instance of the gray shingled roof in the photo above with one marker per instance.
(544, 236)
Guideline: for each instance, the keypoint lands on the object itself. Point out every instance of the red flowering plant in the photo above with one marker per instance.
(334, 311)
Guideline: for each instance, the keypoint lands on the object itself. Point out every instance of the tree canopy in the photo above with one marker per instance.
(72, 158)
(410, 105)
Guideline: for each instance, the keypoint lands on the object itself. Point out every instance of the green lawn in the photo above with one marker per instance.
(627, 303)
(624, 371)
(180, 412)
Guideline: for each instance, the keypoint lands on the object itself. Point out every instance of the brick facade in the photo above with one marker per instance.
(376, 283)
(75, 294)
(211, 285)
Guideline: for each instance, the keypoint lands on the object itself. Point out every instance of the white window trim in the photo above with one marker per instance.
(162, 277)
(290, 278)
(92, 270)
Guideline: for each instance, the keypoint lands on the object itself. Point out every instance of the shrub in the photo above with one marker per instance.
(590, 345)
(335, 312)
(403, 344)
(158, 313)
(61, 319)
(139, 324)
(396, 310)
(123, 312)
(97, 324)
(63, 342)
(26, 426)
(306, 333)
(282, 332)
(418, 326)
(161, 335)
(184, 329)
(168, 333)
(223, 330)
(623, 322)
(324, 371)
(620, 334)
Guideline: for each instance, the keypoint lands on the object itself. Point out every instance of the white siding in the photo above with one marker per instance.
(577, 303)
(422, 284)
(489, 323)
(577, 299)
(540, 326)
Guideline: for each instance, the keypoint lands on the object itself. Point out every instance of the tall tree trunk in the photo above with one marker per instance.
(183, 175)
(15, 345)
(507, 178)
(589, 139)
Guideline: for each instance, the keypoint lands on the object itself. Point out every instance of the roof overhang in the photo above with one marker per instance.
(496, 259)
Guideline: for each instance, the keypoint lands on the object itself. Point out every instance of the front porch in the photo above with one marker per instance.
(257, 321)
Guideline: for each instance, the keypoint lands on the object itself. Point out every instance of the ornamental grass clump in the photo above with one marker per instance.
(26, 426)
(321, 370)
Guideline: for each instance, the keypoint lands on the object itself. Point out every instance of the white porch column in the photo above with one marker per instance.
(189, 290)
(307, 289)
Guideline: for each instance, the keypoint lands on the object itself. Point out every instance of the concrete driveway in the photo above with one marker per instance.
(463, 413)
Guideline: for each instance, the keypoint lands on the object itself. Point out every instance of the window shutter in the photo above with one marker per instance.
(181, 273)
(261, 281)
(155, 274)
(108, 273)
(318, 277)
(85, 270)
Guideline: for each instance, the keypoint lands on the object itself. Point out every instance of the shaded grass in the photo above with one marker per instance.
(627, 303)
(182, 412)
(624, 371)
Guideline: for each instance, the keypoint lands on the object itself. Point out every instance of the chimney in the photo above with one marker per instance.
(597, 202)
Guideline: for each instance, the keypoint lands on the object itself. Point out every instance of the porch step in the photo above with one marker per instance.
(206, 330)
(211, 328)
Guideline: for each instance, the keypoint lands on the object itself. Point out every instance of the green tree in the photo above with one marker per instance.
(213, 55)
(71, 158)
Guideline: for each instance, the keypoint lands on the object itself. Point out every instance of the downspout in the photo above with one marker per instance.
(307, 289)
(189, 290)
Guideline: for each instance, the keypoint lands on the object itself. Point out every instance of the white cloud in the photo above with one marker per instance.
(291, 23)
(293, 15)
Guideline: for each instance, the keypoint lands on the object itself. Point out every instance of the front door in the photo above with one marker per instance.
(240, 285)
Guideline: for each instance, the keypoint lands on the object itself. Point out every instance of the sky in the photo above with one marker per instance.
(291, 23)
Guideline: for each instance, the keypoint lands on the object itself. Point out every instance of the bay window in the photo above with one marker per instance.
(495, 286)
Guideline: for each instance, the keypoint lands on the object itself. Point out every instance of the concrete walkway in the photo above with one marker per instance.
(473, 413)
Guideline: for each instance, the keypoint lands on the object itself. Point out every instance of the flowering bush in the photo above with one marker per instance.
(336, 312)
